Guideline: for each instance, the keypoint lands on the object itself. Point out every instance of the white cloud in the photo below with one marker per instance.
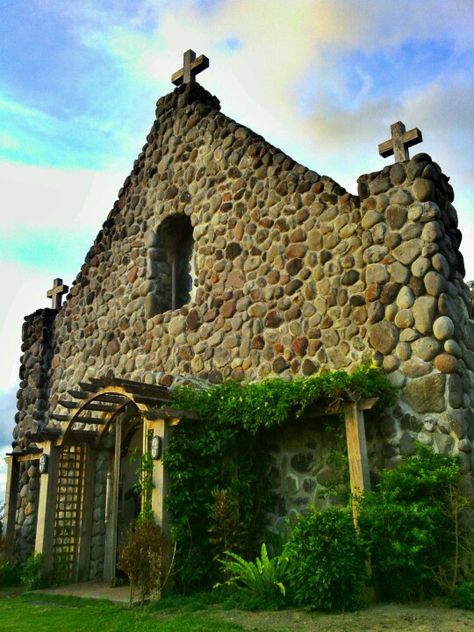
(40, 197)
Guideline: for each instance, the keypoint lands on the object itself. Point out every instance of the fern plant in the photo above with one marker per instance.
(263, 579)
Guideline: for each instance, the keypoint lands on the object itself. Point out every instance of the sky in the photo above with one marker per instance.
(320, 79)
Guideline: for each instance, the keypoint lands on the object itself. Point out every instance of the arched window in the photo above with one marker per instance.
(170, 265)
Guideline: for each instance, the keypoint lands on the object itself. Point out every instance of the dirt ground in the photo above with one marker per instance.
(429, 617)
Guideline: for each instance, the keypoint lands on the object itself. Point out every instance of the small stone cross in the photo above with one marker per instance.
(191, 67)
(56, 293)
(400, 141)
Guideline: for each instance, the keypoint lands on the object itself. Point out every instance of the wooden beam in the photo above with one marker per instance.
(367, 404)
(87, 387)
(68, 404)
(357, 453)
(94, 405)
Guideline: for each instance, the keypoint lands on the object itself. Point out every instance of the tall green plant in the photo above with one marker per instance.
(408, 527)
(326, 561)
(200, 458)
(144, 485)
(263, 579)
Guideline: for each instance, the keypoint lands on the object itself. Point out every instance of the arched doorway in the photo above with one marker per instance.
(88, 495)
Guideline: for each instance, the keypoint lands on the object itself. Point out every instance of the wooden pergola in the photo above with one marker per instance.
(89, 415)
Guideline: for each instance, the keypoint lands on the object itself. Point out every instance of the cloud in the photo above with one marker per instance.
(7, 415)
(59, 199)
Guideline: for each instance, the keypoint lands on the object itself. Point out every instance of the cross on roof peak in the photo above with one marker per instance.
(400, 141)
(191, 67)
(56, 293)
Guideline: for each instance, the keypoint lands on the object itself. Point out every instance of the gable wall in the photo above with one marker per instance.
(293, 275)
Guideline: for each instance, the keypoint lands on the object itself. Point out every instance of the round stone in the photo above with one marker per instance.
(423, 189)
(404, 318)
(405, 298)
(390, 363)
(426, 348)
(383, 337)
(420, 267)
(443, 328)
(403, 351)
(440, 264)
(434, 283)
(395, 216)
(452, 347)
(424, 310)
(408, 251)
(445, 363)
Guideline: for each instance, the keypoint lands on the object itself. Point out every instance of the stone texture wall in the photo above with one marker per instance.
(32, 397)
(27, 508)
(102, 464)
(292, 274)
(32, 404)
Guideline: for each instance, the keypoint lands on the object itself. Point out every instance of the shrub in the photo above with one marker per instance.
(30, 575)
(9, 574)
(408, 525)
(326, 563)
(463, 596)
(262, 579)
(142, 556)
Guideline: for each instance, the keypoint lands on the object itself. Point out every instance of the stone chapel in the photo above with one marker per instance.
(224, 258)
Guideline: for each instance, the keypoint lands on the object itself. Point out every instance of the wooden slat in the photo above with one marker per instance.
(93, 405)
(87, 387)
(171, 413)
(79, 394)
(57, 417)
(68, 404)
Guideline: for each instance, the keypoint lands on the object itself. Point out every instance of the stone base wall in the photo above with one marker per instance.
(27, 509)
(98, 517)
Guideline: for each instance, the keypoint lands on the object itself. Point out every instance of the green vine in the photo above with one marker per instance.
(274, 401)
(219, 491)
(144, 485)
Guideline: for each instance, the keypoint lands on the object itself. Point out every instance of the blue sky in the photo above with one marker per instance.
(322, 79)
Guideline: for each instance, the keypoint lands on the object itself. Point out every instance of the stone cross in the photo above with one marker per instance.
(56, 293)
(191, 67)
(400, 141)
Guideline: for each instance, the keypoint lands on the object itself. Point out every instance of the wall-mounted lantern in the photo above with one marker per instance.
(43, 464)
(156, 445)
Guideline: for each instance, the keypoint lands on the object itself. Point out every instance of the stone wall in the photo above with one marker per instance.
(292, 274)
(102, 460)
(32, 397)
(27, 508)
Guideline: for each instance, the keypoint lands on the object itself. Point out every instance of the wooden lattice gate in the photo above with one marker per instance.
(69, 512)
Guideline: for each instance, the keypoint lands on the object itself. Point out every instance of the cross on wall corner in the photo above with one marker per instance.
(400, 141)
(191, 67)
(56, 293)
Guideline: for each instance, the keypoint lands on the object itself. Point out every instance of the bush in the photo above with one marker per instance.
(9, 574)
(262, 579)
(463, 596)
(142, 557)
(326, 563)
(30, 575)
(407, 525)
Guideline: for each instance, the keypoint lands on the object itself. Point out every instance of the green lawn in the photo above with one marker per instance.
(67, 614)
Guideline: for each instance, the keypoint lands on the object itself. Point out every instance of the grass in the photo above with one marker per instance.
(47, 613)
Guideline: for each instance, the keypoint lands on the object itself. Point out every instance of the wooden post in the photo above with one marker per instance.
(161, 429)
(110, 556)
(357, 452)
(47, 507)
(11, 494)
